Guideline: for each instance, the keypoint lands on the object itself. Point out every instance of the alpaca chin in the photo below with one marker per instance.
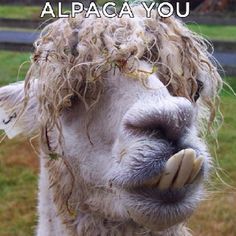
(158, 224)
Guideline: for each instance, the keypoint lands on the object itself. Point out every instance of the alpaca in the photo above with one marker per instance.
(121, 108)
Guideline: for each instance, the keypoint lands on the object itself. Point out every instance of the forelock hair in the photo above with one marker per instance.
(72, 57)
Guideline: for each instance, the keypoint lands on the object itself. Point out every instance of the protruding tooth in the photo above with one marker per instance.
(171, 168)
(196, 168)
(153, 181)
(185, 168)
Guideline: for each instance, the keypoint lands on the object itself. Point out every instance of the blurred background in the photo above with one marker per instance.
(19, 27)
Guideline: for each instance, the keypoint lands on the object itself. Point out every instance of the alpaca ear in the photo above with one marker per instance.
(15, 120)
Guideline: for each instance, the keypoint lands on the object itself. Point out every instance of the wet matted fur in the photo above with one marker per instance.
(72, 56)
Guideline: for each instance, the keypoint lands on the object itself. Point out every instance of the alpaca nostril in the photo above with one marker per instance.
(146, 129)
(160, 130)
(160, 121)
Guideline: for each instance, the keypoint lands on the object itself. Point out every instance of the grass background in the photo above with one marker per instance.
(34, 12)
(15, 12)
(220, 32)
(19, 165)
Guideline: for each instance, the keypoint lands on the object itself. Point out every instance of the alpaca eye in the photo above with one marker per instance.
(199, 89)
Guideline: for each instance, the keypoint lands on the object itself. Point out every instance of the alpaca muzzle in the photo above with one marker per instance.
(160, 156)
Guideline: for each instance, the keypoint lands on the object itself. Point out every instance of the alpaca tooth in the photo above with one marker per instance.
(196, 168)
(171, 168)
(185, 168)
(152, 182)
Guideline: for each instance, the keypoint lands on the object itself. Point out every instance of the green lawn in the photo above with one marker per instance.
(19, 168)
(18, 189)
(20, 12)
(9, 64)
(33, 12)
(216, 216)
(18, 174)
(220, 32)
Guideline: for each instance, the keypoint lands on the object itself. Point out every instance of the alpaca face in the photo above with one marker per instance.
(129, 146)
(122, 146)
(136, 155)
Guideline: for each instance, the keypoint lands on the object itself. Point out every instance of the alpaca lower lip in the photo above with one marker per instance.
(168, 196)
(165, 197)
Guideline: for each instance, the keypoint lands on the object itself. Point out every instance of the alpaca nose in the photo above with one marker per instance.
(167, 119)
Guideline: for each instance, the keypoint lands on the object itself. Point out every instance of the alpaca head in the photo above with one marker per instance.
(125, 102)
